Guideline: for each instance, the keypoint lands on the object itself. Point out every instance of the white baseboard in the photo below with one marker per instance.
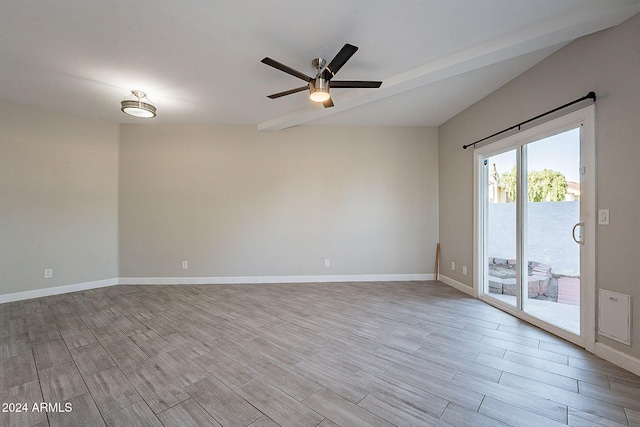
(45, 292)
(455, 284)
(616, 357)
(272, 279)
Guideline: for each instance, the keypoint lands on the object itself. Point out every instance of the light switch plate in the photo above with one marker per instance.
(603, 216)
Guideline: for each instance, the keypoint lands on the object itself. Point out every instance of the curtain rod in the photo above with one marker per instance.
(590, 95)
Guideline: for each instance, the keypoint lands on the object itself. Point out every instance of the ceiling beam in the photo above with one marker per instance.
(558, 30)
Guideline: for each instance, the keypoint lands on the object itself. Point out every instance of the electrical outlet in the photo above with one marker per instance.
(453, 265)
(185, 264)
(48, 273)
(464, 270)
(327, 262)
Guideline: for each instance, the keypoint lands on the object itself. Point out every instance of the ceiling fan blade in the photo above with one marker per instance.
(328, 103)
(341, 58)
(288, 92)
(355, 83)
(280, 66)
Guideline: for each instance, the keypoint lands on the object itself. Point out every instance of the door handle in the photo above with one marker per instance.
(580, 238)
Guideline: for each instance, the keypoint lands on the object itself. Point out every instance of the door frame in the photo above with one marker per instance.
(585, 118)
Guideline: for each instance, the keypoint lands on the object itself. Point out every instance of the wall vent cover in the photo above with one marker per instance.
(614, 316)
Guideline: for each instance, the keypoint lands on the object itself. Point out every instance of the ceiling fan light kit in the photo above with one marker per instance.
(320, 85)
(319, 90)
(138, 105)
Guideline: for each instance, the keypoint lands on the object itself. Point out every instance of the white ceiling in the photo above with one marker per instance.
(199, 60)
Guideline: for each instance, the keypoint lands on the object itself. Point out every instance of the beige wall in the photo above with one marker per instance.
(78, 196)
(607, 62)
(58, 199)
(233, 201)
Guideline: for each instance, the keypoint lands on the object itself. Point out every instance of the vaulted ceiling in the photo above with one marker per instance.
(199, 60)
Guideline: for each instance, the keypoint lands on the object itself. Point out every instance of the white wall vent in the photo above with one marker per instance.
(614, 316)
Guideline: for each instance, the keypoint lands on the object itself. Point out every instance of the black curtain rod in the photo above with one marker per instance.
(590, 95)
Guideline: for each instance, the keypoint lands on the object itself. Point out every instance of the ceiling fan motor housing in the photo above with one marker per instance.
(318, 64)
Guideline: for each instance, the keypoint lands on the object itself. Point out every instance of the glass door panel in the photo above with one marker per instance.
(551, 219)
(500, 232)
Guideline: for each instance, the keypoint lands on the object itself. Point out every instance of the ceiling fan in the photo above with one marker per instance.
(319, 85)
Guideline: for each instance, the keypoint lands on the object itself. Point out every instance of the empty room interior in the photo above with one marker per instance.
(324, 214)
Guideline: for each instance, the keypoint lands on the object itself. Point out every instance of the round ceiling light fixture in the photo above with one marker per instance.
(138, 105)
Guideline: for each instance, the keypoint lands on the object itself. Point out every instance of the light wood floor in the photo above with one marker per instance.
(397, 353)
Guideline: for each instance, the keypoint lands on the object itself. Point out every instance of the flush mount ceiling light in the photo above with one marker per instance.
(138, 105)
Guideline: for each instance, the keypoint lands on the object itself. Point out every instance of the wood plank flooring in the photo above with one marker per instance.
(320, 354)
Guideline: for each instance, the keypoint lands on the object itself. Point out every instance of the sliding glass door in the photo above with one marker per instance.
(534, 234)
